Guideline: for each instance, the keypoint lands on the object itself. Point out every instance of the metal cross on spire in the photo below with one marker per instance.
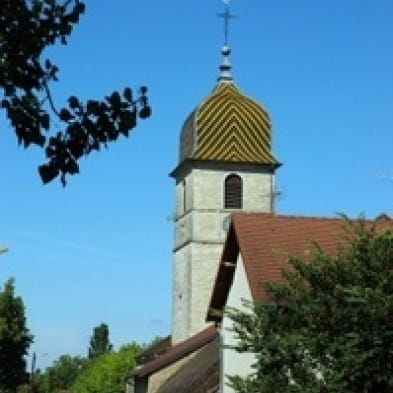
(227, 16)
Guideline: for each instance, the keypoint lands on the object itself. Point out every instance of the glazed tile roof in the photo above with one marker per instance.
(265, 241)
(228, 126)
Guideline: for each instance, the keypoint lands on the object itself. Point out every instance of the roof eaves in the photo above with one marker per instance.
(178, 352)
(224, 276)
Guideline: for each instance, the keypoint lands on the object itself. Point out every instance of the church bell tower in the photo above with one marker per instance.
(225, 165)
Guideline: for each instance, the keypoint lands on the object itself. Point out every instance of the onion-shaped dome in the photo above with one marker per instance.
(227, 126)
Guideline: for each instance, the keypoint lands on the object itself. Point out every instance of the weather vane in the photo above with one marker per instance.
(227, 16)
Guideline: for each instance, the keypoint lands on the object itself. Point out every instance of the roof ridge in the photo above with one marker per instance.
(307, 217)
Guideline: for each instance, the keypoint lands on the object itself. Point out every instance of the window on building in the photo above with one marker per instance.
(233, 192)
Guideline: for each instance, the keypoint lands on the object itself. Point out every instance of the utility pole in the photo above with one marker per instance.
(32, 373)
(35, 371)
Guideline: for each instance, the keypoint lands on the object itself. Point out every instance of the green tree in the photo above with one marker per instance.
(107, 373)
(15, 339)
(329, 329)
(27, 28)
(61, 374)
(154, 341)
(99, 342)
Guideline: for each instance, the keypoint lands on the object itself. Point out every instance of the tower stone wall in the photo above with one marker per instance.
(200, 232)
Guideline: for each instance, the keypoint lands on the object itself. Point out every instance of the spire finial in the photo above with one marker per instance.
(227, 16)
(225, 67)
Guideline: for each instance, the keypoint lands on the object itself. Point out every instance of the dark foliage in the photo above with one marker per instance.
(27, 27)
(15, 340)
(99, 342)
(61, 375)
(330, 328)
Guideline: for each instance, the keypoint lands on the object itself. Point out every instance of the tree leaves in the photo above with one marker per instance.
(108, 372)
(74, 103)
(99, 342)
(127, 94)
(145, 112)
(27, 28)
(65, 115)
(45, 121)
(15, 339)
(335, 333)
(61, 375)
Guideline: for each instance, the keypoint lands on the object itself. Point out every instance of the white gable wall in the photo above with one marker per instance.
(233, 363)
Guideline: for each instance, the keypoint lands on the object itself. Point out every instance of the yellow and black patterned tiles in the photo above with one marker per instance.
(232, 127)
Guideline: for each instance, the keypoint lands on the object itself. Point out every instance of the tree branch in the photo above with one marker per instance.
(67, 3)
(50, 99)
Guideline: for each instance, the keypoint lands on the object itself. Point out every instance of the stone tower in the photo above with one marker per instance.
(225, 165)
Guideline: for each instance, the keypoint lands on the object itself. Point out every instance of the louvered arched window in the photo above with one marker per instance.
(233, 192)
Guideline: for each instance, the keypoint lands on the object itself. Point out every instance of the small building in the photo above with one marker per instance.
(189, 367)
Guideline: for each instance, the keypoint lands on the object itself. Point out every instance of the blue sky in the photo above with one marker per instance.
(100, 249)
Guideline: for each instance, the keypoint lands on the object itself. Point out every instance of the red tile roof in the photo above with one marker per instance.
(265, 241)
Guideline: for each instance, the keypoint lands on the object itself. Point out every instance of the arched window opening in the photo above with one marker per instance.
(233, 192)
